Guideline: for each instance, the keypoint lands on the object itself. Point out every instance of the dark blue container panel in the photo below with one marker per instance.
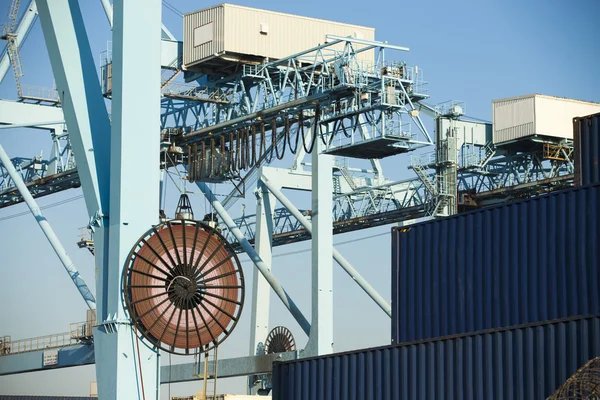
(528, 362)
(529, 261)
(586, 135)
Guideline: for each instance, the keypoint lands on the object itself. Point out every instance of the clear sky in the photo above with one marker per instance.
(470, 50)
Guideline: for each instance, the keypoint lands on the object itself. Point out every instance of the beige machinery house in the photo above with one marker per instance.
(537, 115)
(218, 38)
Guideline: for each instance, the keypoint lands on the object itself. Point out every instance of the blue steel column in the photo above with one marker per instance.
(83, 289)
(123, 372)
(261, 292)
(86, 118)
(321, 332)
(258, 262)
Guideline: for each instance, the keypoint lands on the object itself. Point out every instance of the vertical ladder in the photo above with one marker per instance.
(13, 14)
(11, 46)
(15, 61)
(209, 376)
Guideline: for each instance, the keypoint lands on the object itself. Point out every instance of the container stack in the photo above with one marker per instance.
(497, 303)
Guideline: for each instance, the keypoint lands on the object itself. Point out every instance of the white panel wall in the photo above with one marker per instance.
(540, 115)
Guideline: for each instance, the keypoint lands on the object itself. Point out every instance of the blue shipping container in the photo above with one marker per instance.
(528, 261)
(586, 135)
(526, 362)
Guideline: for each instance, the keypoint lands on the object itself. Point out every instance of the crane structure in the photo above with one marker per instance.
(226, 129)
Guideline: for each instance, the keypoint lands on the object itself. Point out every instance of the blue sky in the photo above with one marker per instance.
(470, 50)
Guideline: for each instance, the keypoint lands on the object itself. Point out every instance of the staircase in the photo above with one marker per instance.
(490, 151)
(173, 67)
(346, 174)
(442, 202)
(419, 171)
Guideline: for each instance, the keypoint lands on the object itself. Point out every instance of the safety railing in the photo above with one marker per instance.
(78, 333)
(39, 93)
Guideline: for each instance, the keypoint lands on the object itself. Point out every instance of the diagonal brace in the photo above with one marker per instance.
(336, 255)
(262, 267)
(85, 292)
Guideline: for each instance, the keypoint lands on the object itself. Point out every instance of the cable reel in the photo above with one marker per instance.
(183, 285)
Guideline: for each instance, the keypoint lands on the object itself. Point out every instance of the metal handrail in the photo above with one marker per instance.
(78, 332)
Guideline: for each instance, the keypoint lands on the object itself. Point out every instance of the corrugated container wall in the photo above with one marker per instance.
(527, 362)
(528, 261)
(537, 115)
(586, 135)
(235, 32)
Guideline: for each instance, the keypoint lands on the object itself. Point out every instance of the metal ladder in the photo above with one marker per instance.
(440, 205)
(168, 79)
(209, 376)
(346, 174)
(489, 153)
(11, 46)
(15, 61)
(419, 171)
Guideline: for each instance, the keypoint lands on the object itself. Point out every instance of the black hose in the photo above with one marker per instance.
(247, 146)
(190, 168)
(312, 140)
(253, 140)
(279, 156)
(288, 132)
(202, 158)
(269, 158)
(211, 170)
(238, 153)
(232, 166)
(318, 125)
(263, 146)
(222, 157)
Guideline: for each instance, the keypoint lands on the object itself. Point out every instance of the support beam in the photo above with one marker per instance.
(128, 367)
(320, 340)
(369, 290)
(259, 320)
(87, 120)
(258, 262)
(13, 112)
(64, 258)
(32, 361)
(75, 356)
(42, 124)
(108, 10)
(228, 368)
(82, 103)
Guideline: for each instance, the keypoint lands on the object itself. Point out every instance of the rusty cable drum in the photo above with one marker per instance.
(280, 340)
(183, 286)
